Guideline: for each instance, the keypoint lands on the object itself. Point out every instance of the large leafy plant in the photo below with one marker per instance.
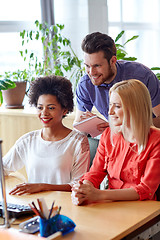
(58, 58)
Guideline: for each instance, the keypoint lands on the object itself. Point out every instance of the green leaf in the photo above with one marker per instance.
(158, 75)
(6, 84)
(60, 39)
(61, 27)
(55, 29)
(119, 36)
(40, 26)
(1, 98)
(31, 55)
(30, 35)
(43, 39)
(37, 35)
(130, 58)
(120, 56)
(132, 38)
(155, 68)
(119, 46)
(22, 34)
(21, 52)
(37, 23)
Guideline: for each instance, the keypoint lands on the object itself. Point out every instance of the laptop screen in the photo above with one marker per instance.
(3, 189)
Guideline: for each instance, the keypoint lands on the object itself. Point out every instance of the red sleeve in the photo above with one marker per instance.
(150, 180)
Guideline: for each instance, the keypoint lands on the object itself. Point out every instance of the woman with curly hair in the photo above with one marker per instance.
(55, 156)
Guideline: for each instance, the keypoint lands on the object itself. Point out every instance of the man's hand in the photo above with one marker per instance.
(86, 115)
(80, 116)
(102, 126)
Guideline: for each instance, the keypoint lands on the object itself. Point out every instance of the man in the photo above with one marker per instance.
(103, 70)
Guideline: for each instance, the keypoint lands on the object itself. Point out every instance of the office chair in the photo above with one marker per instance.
(93, 144)
(158, 193)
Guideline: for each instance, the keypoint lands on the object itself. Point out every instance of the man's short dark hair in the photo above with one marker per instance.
(96, 42)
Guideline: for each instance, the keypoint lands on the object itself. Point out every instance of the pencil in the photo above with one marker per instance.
(39, 212)
(40, 207)
(34, 210)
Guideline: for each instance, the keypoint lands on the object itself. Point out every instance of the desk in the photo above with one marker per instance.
(114, 220)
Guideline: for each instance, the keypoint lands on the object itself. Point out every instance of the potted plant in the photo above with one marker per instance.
(13, 88)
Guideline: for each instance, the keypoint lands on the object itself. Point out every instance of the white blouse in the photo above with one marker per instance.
(59, 162)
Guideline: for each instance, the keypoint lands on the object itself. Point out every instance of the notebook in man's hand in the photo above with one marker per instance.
(89, 125)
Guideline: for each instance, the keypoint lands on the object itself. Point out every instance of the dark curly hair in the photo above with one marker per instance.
(96, 41)
(58, 86)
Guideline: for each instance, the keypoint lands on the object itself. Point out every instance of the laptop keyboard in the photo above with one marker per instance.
(16, 210)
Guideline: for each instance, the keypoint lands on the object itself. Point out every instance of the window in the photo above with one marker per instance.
(14, 17)
(137, 17)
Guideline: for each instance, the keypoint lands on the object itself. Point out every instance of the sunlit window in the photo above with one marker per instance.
(137, 17)
(14, 17)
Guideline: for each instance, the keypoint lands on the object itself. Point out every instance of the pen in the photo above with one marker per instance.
(51, 209)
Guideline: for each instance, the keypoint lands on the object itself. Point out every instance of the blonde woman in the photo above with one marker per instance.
(128, 152)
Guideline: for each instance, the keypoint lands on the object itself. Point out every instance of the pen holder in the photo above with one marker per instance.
(57, 223)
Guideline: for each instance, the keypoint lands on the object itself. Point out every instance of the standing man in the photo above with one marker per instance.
(103, 70)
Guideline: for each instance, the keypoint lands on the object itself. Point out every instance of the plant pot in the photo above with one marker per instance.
(14, 97)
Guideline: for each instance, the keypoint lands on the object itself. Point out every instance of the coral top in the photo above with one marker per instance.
(125, 167)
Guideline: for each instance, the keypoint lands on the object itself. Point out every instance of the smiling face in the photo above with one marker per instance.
(115, 110)
(98, 68)
(49, 110)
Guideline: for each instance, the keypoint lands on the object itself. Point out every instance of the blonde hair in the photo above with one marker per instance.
(137, 109)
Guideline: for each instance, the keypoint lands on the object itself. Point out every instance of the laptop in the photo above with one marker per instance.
(10, 210)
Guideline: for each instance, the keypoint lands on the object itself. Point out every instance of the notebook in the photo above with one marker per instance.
(89, 125)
